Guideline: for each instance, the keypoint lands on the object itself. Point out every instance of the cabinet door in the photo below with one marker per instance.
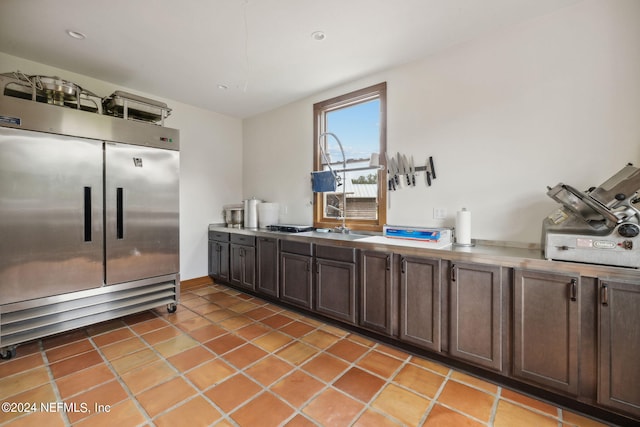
(267, 266)
(336, 289)
(214, 263)
(249, 268)
(619, 346)
(223, 272)
(242, 266)
(295, 279)
(420, 302)
(376, 295)
(546, 329)
(219, 260)
(476, 333)
(235, 265)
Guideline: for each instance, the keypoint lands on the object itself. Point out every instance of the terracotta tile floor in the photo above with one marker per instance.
(228, 359)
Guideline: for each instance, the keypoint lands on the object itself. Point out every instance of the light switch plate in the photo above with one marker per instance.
(439, 213)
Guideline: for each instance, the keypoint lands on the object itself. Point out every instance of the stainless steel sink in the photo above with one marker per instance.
(403, 242)
(332, 235)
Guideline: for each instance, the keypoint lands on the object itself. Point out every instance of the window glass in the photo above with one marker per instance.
(357, 121)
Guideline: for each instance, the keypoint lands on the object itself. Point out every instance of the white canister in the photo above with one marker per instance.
(251, 212)
(268, 214)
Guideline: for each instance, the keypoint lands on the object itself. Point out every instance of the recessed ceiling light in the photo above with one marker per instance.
(76, 35)
(318, 35)
(223, 87)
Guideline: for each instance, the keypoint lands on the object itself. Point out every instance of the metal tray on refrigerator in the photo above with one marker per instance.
(50, 90)
(130, 106)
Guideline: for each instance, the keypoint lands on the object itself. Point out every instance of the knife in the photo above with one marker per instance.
(390, 180)
(412, 171)
(401, 170)
(433, 171)
(396, 172)
(407, 169)
(427, 172)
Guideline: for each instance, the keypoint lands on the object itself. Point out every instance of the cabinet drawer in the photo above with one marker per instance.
(241, 239)
(336, 253)
(220, 236)
(300, 248)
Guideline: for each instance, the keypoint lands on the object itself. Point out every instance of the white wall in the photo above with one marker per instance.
(210, 161)
(550, 100)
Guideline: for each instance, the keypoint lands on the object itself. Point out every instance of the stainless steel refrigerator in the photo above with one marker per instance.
(89, 219)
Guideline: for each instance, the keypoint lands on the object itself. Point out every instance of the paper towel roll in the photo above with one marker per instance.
(268, 214)
(251, 213)
(463, 227)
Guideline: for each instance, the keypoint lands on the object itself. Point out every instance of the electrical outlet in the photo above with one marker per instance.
(439, 213)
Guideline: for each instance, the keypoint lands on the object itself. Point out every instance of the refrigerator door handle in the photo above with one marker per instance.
(120, 213)
(87, 214)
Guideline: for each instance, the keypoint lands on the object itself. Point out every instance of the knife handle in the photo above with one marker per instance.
(433, 170)
(428, 174)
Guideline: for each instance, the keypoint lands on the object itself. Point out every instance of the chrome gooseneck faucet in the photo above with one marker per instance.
(342, 228)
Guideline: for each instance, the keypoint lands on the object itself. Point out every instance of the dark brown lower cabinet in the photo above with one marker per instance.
(336, 289)
(219, 260)
(219, 255)
(267, 266)
(619, 346)
(546, 329)
(377, 292)
(242, 266)
(336, 283)
(420, 312)
(296, 273)
(476, 314)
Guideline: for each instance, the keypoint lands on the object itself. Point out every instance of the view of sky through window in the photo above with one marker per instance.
(358, 127)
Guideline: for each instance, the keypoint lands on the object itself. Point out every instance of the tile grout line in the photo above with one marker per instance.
(265, 389)
(297, 409)
(435, 397)
(225, 416)
(370, 349)
(107, 362)
(326, 384)
(52, 380)
(494, 407)
(295, 368)
(354, 364)
(373, 398)
(387, 381)
(131, 395)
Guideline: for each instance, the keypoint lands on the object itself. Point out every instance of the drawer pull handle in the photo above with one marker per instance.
(604, 295)
(574, 289)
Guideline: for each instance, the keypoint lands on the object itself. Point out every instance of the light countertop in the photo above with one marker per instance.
(506, 254)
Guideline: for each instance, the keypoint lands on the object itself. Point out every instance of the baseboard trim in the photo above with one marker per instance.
(195, 282)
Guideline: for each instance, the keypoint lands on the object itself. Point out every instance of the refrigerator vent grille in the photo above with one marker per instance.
(31, 323)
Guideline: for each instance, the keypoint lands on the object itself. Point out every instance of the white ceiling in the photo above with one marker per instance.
(261, 50)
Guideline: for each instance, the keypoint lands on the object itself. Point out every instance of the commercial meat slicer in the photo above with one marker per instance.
(598, 226)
